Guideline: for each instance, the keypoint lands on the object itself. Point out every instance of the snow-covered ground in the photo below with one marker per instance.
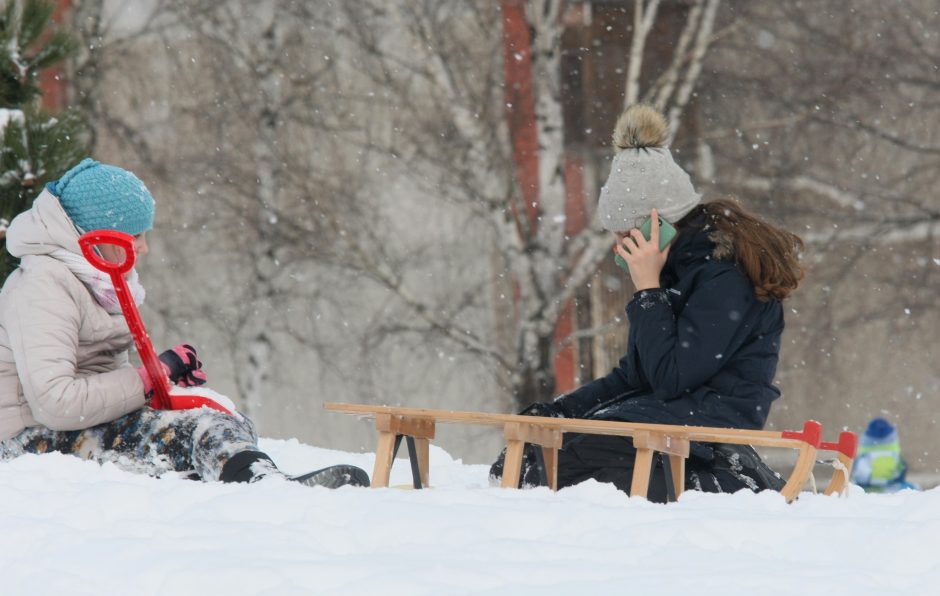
(74, 527)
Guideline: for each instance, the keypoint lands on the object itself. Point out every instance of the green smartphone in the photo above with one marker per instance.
(666, 235)
(666, 232)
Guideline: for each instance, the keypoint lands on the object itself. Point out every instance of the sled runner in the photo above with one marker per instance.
(418, 426)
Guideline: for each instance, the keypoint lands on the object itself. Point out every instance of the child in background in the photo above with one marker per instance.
(879, 467)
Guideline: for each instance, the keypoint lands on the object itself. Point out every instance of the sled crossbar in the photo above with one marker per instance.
(672, 441)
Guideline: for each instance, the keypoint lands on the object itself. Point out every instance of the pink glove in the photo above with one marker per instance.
(181, 367)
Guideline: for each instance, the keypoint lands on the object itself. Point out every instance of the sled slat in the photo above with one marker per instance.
(607, 427)
(533, 433)
(661, 442)
(421, 428)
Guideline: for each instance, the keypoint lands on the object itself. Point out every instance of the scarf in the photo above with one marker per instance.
(98, 282)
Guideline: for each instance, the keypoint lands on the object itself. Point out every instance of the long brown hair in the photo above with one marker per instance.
(768, 254)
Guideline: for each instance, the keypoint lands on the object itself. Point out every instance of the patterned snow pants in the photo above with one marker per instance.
(193, 443)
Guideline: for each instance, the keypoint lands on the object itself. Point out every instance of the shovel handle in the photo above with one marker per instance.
(116, 271)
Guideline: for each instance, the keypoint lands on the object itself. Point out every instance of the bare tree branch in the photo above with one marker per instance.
(643, 19)
(694, 69)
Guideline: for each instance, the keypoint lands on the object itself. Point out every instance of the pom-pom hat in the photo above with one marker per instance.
(879, 432)
(643, 174)
(98, 196)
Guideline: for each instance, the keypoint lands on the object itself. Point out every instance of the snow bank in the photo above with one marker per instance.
(74, 527)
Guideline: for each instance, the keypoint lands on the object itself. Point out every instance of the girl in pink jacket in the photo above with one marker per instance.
(65, 380)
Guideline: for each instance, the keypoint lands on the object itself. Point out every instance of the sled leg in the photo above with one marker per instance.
(646, 443)
(642, 466)
(801, 472)
(840, 475)
(418, 430)
(423, 447)
(546, 458)
(677, 464)
(512, 465)
(550, 455)
(384, 454)
(847, 448)
(517, 435)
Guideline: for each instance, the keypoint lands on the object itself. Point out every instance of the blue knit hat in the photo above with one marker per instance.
(879, 432)
(97, 196)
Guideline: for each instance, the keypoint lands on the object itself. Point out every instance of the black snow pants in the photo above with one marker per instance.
(192, 443)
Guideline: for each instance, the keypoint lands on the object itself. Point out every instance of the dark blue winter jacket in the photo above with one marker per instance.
(702, 349)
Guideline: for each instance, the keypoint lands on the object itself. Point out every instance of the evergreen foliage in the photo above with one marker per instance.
(36, 147)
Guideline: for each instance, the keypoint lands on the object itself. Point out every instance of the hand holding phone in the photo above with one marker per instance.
(667, 233)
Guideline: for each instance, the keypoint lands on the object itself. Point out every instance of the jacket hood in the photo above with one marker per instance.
(42, 229)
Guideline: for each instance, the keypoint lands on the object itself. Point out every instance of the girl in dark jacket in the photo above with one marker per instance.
(705, 322)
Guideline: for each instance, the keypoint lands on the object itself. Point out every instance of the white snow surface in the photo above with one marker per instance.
(74, 527)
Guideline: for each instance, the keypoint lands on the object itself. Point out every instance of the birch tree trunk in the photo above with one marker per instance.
(254, 375)
(541, 281)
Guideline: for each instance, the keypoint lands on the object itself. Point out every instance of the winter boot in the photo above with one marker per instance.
(746, 466)
(732, 468)
(247, 466)
(334, 477)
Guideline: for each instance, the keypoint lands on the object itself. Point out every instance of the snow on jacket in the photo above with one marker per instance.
(702, 350)
(63, 358)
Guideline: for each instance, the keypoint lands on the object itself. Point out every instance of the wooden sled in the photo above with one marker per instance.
(418, 426)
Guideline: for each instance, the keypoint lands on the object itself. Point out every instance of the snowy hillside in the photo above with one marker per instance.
(73, 527)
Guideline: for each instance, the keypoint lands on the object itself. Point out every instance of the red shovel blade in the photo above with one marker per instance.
(189, 402)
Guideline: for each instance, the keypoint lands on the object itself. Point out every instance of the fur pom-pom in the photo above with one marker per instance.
(640, 127)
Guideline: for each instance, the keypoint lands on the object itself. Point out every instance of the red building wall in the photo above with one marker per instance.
(52, 80)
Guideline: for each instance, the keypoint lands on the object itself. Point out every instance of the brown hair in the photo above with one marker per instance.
(769, 255)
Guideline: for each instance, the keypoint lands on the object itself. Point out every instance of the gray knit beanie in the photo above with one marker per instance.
(643, 174)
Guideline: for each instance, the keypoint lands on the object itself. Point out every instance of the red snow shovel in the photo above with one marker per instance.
(162, 398)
